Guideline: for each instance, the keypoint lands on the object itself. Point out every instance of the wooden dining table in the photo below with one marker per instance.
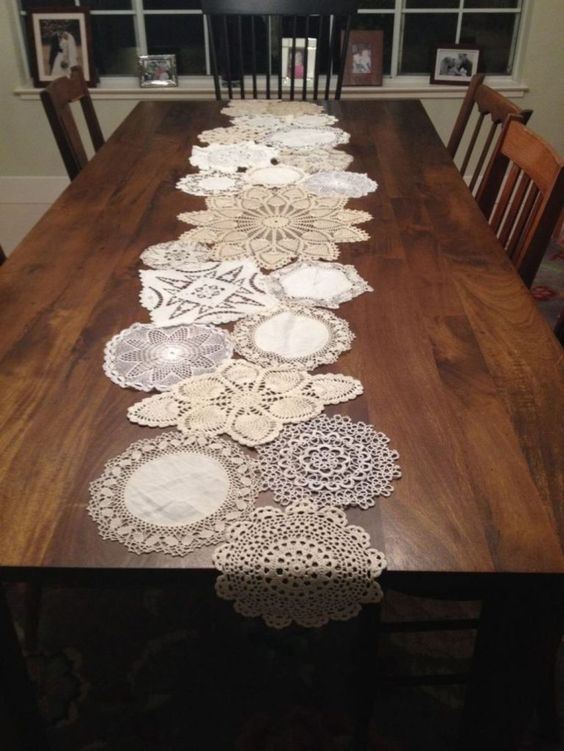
(459, 369)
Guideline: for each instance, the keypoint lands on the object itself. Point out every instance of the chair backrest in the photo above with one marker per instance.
(57, 98)
(522, 195)
(229, 22)
(487, 102)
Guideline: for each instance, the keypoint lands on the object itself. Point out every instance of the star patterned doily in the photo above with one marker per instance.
(212, 293)
(232, 157)
(340, 183)
(276, 107)
(247, 402)
(296, 335)
(209, 184)
(173, 493)
(306, 139)
(300, 565)
(317, 283)
(330, 460)
(175, 254)
(147, 357)
(315, 160)
(275, 226)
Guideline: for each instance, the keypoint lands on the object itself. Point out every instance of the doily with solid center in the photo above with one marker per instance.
(306, 139)
(340, 183)
(232, 157)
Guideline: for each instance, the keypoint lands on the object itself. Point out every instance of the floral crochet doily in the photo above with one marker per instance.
(330, 460)
(211, 293)
(266, 123)
(246, 401)
(236, 133)
(301, 564)
(232, 157)
(277, 107)
(297, 335)
(147, 357)
(306, 139)
(340, 183)
(209, 184)
(273, 176)
(173, 493)
(316, 283)
(315, 160)
(275, 226)
(175, 254)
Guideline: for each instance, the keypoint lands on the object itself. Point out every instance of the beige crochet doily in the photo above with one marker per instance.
(315, 160)
(276, 107)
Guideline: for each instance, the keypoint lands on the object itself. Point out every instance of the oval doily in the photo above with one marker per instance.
(277, 107)
(209, 184)
(331, 460)
(296, 335)
(316, 283)
(173, 493)
(232, 157)
(302, 564)
(306, 139)
(147, 357)
(176, 254)
(246, 401)
(273, 176)
(315, 160)
(340, 183)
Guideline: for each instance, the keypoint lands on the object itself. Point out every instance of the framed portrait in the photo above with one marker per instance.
(299, 60)
(60, 38)
(365, 55)
(454, 64)
(157, 71)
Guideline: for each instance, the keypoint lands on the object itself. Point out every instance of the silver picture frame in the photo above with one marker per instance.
(157, 71)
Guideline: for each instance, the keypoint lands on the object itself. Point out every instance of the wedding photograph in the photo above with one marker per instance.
(60, 41)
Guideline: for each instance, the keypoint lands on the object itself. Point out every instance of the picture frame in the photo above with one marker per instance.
(60, 38)
(365, 58)
(454, 64)
(299, 60)
(157, 71)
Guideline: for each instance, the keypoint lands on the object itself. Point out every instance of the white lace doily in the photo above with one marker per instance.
(277, 107)
(340, 183)
(275, 226)
(236, 133)
(209, 184)
(246, 401)
(302, 564)
(273, 176)
(212, 293)
(315, 160)
(147, 357)
(306, 139)
(316, 283)
(266, 123)
(300, 336)
(232, 157)
(173, 493)
(175, 255)
(330, 460)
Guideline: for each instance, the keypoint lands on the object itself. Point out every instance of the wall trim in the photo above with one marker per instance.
(28, 189)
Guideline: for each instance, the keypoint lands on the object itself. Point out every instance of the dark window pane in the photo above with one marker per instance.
(432, 4)
(422, 33)
(376, 4)
(182, 36)
(115, 48)
(493, 34)
(384, 21)
(171, 4)
(491, 3)
(37, 4)
(108, 4)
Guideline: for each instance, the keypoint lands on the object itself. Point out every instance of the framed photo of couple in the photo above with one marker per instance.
(454, 64)
(60, 38)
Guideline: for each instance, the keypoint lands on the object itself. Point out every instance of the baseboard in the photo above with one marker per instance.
(31, 189)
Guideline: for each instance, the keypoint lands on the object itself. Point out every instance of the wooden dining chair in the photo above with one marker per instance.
(522, 195)
(2, 255)
(57, 98)
(486, 102)
(237, 29)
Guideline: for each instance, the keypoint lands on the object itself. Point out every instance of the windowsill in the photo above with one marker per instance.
(200, 87)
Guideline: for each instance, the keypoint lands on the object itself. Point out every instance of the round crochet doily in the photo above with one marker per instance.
(176, 254)
(300, 565)
(273, 176)
(315, 160)
(209, 184)
(340, 183)
(276, 107)
(232, 157)
(306, 139)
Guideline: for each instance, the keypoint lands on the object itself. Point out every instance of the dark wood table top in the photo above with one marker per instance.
(458, 367)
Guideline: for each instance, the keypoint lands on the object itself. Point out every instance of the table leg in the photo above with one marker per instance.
(518, 630)
(21, 726)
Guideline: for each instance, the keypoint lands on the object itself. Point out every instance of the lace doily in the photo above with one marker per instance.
(266, 123)
(340, 183)
(173, 493)
(301, 564)
(146, 357)
(306, 139)
(236, 133)
(273, 176)
(330, 460)
(305, 337)
(316, 283)
(212, 293)
(209, 184)
(275, 226)
(249, 403)
(277, 107)
(175, 255)
(315, 160)
(232, 157)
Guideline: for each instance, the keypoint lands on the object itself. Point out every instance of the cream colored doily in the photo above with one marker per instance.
(277, 107)
(232, 157)
(315, 160)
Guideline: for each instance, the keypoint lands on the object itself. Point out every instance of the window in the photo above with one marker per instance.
(124, 29)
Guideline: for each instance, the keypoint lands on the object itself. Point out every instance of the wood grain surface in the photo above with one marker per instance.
(458, 367)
